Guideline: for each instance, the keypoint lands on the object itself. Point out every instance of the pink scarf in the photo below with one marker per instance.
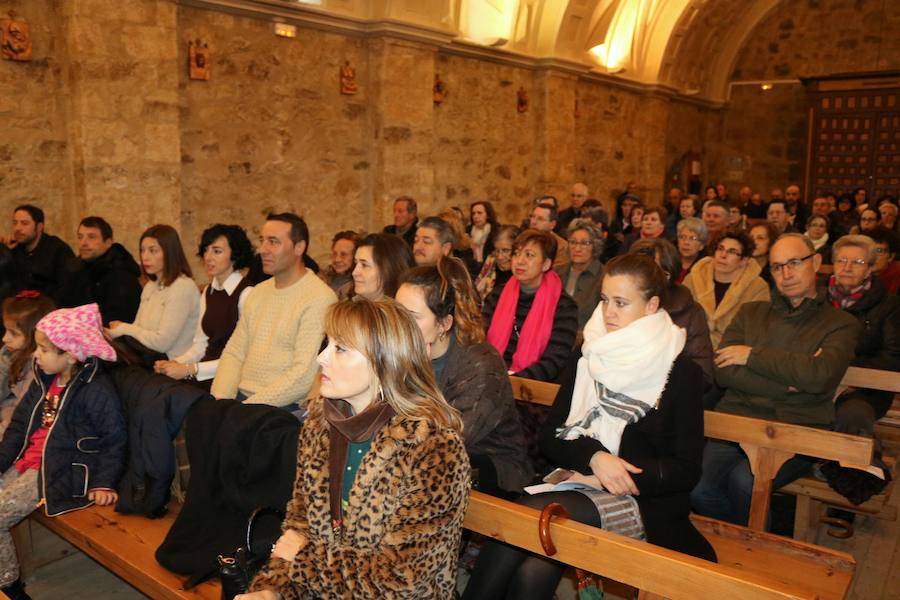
(535, 334)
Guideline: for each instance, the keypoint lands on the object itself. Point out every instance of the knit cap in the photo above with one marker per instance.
(78, 331)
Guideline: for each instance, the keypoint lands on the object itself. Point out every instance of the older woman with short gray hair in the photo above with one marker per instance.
(692, 237)
(581, 275)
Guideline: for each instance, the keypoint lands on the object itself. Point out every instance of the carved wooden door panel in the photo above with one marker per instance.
(854, 135)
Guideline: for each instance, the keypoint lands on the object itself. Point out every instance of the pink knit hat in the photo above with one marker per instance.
(78, 331)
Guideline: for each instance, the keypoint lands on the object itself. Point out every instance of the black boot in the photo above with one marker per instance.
(16, 591)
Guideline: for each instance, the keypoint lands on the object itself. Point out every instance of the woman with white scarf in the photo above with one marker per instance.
(628, 421)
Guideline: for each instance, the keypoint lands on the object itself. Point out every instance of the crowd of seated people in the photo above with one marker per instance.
(738, 305)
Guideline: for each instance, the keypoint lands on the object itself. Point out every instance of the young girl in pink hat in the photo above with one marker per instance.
(65, 446)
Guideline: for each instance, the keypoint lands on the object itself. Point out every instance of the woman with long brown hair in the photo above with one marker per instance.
(170, 302)
(470, 373)
(380, 497)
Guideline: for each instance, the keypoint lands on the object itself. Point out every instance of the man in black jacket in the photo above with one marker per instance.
(42, 258)
(106, 273)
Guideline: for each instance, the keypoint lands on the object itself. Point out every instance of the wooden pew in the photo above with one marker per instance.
(639, 564)
(126, 545)
(814, 496)
(768, 445)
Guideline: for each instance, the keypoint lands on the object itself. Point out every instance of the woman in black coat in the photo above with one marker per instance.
(628, 423)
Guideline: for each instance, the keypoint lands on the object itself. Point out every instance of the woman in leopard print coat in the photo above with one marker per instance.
(383, 430)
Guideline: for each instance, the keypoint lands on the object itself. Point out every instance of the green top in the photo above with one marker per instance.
(354, 457)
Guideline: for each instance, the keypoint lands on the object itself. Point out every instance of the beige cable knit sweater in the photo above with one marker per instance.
(271, 356)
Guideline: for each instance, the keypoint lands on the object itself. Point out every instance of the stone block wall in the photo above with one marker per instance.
(763, 133)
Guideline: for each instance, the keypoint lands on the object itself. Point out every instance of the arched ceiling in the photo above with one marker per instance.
(688, 47)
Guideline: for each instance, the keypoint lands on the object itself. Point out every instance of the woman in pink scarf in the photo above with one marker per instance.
(531, 321)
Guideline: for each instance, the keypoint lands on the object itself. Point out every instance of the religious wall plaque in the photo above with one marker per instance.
(15, 38)
(348, 79)
(198, 60)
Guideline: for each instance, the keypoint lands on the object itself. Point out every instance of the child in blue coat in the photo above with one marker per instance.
(65, 446)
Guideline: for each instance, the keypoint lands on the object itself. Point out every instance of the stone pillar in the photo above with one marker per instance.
(122, 113)
(556, 150)
(402, 74)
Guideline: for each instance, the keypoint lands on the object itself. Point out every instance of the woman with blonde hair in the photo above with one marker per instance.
(470, 373)
(378, 506)
(462, 247)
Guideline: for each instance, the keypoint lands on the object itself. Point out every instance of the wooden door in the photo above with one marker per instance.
(854, 135)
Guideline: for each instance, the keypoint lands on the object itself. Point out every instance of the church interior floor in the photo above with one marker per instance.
(875, 545)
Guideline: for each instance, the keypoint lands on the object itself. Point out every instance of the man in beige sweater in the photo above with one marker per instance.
(271, 356)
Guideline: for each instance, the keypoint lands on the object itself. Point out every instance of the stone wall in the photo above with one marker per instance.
(763, 134)
(34, 144)
(111, 124)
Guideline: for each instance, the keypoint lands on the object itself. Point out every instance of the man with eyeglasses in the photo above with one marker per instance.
(780, 360)
(578, 195)
(854, 288)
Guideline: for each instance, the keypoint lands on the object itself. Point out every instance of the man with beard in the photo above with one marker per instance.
(42, 258)
(107, 275)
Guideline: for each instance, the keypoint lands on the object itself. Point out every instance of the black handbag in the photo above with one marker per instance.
(236, 570)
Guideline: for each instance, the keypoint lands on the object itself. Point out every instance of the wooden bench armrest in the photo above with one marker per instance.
(639, 564)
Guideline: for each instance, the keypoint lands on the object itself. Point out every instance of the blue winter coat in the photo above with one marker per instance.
(85, 448)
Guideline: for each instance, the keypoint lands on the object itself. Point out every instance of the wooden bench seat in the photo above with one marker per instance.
(126, 545)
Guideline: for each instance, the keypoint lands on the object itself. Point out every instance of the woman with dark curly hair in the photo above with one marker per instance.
(225, 250)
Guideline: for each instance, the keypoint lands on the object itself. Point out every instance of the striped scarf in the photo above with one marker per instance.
(844, 299)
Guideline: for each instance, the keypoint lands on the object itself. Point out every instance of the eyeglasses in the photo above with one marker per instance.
(858, 262)
(731, 251)
(881, 250)
(794, 264)
(503, 251)
(868, 219)
(583, 243)
(688, 238)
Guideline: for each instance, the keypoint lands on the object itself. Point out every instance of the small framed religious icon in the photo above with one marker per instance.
(522, 100)
(348, 79)
(15, 38)
(440, 90)
(198, 60)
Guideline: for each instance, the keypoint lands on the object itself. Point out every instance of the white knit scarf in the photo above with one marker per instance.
(819, 242)
(620, 376)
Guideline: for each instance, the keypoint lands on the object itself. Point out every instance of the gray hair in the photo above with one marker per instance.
(863, 242)
(695, 226)
(444, 231)
(587, 225)
(799, 236)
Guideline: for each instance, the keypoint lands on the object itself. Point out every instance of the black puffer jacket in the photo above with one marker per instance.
(112, 282)
(85, 448)
(155, 406)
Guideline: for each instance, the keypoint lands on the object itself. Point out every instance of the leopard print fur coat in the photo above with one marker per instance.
(401, 532)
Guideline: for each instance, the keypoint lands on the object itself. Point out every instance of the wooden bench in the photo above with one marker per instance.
(768, 445)
(815, 496)
(125, 545)
(649, 568)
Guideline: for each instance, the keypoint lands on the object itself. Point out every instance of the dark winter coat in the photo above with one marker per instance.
(155, 407)
(799, 356)
(689, 315)
(474, 382)
(112, 282)
(45, 268)
(562, 336)
(667, 444)
(85, 448)
(242, 456)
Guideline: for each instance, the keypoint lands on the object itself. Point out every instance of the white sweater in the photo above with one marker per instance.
(166, 318)
(271, 356)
